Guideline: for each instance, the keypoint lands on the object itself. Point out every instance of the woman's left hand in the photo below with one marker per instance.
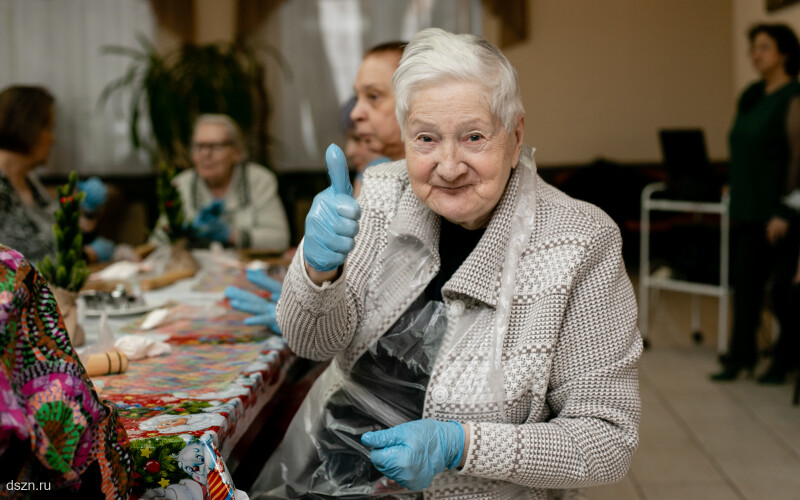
(776, 230)
(411, 454)
(262, 310)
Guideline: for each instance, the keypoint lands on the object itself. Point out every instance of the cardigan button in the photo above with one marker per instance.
(457, 307)
(440, 395)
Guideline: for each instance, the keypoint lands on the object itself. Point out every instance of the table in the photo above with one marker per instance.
(185, 412)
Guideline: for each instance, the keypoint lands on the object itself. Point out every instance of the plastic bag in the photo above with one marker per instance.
(322, 455)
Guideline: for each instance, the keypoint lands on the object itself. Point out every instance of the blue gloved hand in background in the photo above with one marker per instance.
(260, 279)
(103, 248)
(332, 222)
(210, 212)
(262, 310)
(95, 193)
(411, 454)
(208, 224)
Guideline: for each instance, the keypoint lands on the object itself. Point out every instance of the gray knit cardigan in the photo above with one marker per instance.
(568, 358)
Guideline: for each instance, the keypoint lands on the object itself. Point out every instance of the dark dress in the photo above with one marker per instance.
(760, 155)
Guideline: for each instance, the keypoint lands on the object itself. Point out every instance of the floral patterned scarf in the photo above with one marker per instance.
(54, 432)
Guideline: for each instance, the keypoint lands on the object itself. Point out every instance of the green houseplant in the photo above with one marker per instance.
(173, 88)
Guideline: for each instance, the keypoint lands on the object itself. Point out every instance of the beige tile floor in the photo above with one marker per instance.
(703, 440)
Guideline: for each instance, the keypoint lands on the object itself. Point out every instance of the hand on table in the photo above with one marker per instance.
(95, 193)
(332, 222)
(260, 279)
(411, 454)
(262, 310)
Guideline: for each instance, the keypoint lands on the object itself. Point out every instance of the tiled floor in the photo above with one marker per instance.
(704, 440)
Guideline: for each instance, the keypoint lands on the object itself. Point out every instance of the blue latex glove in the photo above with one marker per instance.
(95, 193)
(208, 223)
(262, 310)
(411, 454)
(210, 212)
(332, 222)
(103, 248)
(260, 279)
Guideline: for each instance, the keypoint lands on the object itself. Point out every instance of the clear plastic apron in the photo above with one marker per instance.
(321, 455)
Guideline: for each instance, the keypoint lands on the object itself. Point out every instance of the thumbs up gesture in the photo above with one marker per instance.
(332, 222)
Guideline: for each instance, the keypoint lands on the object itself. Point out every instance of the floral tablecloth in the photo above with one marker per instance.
(185, 412)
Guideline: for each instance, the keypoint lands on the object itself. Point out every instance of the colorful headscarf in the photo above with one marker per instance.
(60, 435)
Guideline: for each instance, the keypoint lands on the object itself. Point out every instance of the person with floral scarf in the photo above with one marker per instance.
(57, 439)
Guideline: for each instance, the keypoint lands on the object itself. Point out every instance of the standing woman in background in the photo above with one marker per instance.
(764, 168)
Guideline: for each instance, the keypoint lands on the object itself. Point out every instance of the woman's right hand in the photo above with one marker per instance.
(332, 222)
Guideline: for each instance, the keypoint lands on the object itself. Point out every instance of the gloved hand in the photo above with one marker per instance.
(208, 223)
(260, 279)
(411, 454)
(263, 310)
(332, 222)
(103, 248)
(210, 212)
(95, 193)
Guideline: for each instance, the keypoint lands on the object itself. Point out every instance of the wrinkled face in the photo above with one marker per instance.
(373, 113)
(358, 152)
(213, 153)
(765, 54)
(459, 156)
(41, 150)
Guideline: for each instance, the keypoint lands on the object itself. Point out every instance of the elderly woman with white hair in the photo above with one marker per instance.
(225, 198)
(481, 325)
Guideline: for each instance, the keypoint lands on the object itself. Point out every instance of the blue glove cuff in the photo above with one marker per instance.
(459, 446)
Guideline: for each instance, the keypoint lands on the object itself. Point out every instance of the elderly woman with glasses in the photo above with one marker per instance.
(481, 325)
(227, 199)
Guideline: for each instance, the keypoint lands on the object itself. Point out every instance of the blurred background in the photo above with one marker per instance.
(599, 80)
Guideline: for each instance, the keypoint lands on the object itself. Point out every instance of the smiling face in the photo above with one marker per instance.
(214, 154)
(459, 156)
(765, 55)
(373, 113)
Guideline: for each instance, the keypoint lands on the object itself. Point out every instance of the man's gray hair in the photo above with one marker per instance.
(232, 130)
(435, 56)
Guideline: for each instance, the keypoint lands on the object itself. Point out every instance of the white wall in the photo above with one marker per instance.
(599, 78)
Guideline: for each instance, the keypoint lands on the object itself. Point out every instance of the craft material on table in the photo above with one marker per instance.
(114, 303)
(106, 363)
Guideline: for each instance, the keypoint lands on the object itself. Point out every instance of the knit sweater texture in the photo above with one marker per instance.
(571, 405)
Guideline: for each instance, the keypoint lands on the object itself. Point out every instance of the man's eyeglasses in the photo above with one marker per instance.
(212, 147)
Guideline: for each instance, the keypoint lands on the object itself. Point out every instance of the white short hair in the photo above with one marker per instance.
(232, 130)
(435, 56)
